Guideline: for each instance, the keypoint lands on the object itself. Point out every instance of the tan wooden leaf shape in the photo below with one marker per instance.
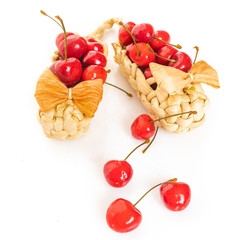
(169, 79)
(204, 73)
(50, 92)
(87, 96)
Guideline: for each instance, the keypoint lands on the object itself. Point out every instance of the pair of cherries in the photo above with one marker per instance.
(122, 215)
(145, 45)
(82, 59)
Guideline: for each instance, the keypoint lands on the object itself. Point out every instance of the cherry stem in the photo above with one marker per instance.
(43, 13)
(197, 50)
(174, 115)
(170, 180)
(170, 60)
(133, 38)
(151, 141)
(147, 141)
(128, 94)
(176, 46)
(65, 35)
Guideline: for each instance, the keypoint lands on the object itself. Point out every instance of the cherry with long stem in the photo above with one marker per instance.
(173, 45)
(62, 27)
(168, 59)
(119, 172)
(121, 23)
(170, 180)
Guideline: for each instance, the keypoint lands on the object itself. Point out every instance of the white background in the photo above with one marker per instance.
(53, 190)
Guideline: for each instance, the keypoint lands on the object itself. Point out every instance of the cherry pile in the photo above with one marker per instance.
(144, 45)
(81, 59)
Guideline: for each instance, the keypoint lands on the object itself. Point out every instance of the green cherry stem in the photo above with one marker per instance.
(65, 35)
(43, 13)
(170, 180)
(144, 150)
(173, 45)
(197, 50)
(174, 115)
(128, 94)
(133, 38)
(149, 48)
(147, 141)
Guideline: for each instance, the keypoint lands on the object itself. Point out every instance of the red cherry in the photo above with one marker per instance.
(52, 68)
(142, 128)
(183, 61)
(147, 73)
(94, 72)
(69, 72)
(94, 58)
(175, 195)
(117, 173)
(145, 55)
(123, 35)
(143, 32)
(122, 216)
(166, 52)
(155, 43)
(96, 46)
(90, 40)
(76, 46)
(60, 37)
(128, 48)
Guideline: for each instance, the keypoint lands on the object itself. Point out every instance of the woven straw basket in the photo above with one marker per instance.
(68, 120)
(174, 91)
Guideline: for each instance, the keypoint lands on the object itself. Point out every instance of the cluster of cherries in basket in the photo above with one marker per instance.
(81, 58)
(123, 216)
(145, 45)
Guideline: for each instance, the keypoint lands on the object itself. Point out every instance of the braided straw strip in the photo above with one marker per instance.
(159, 103)
(66, 121)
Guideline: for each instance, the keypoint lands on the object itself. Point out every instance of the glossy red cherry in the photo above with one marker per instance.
(60, 37)
(142, 128)
(90, 40)
(183, 61)
(175, 195)
(122, 216)
(69, 72)
(147, 73)
(118, 173)
(128, 48)
(94, 58)
(143, 32)
(166, 52)
(123, 35)
(156, 43)
(144, 57)
(94, 72)
(76, 46)
(52, 68)
(95, 46)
